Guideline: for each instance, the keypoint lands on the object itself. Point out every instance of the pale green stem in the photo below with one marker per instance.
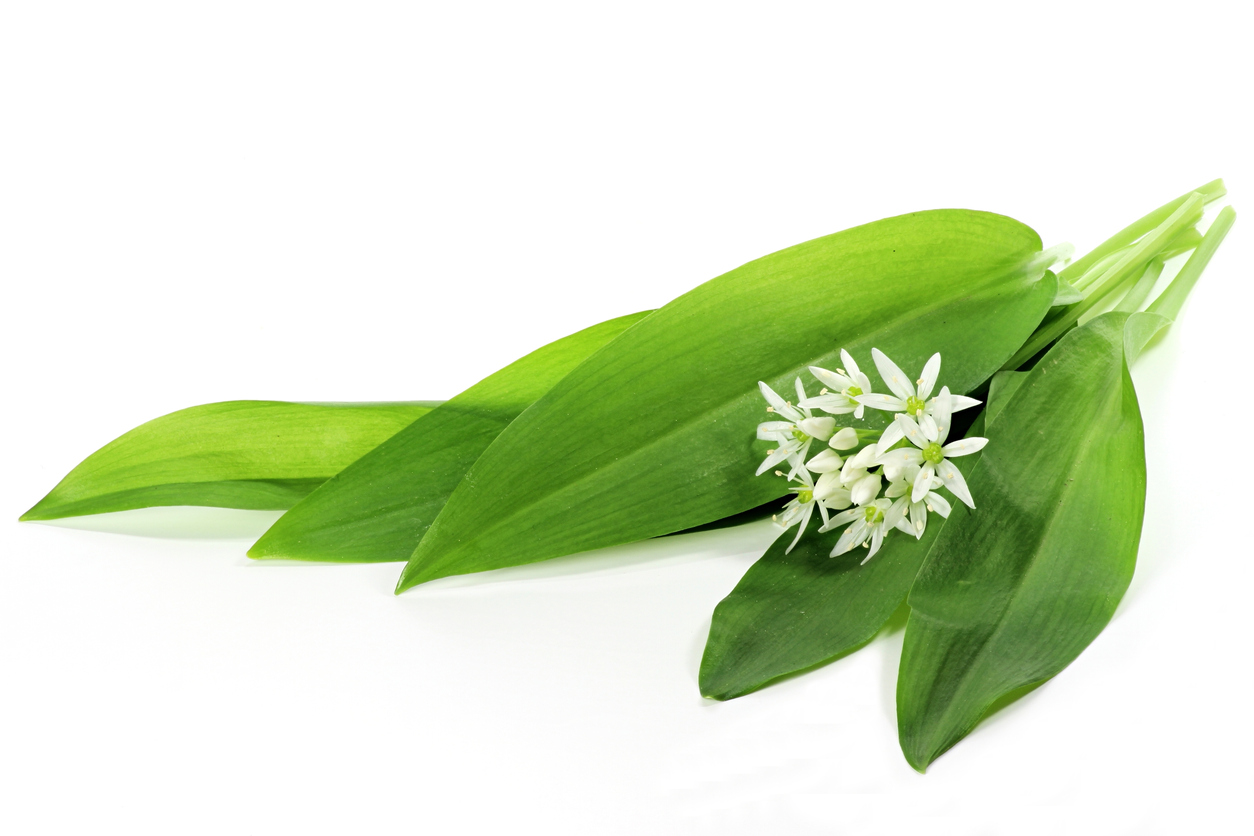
(1141, 290)
(1210, 192)
(1127, 265)
(1172, 299)
(1185, 241)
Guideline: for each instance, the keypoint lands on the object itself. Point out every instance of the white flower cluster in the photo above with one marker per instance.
(910, 455)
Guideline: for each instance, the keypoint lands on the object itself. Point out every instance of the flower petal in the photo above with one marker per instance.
(927, 380)
(778, 403)
(939, 504)
(820, 428)
(957, 403)
(901, 457)
(827, 461)
(942, 413)
(866, 489)
(805, 520)
(848, 542)
(922, 483)
(887, 403)
(770, 430)
(801, 390)
(896, 513)
(843, 517)
(866, 457)
(928, 424)
(846, 438)
(893, 433)
(773, 459)
(894, 377)
(952, 479)
(851, 365)
(877, 539)
(964, 447)
(834, 403)
(831, 380)
(911, 430)
(918, 518)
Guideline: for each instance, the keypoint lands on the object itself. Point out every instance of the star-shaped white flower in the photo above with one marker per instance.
(845, 384)
(868, 526)
(933, 455)
(916, 403)
(826, 493)
(901, 491)
(794, 433)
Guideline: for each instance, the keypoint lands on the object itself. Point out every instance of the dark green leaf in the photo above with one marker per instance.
(793, 611)
(1014, 590)
(1011, 593)
(236, 454)
(656, 433)
(378, 509)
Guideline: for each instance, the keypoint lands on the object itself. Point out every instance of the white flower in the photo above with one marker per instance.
(933, 455)
(848, 384)
(846, 438)
(793, 434)
(863, 486)
(916, 403)
(870, 523)
(902, 490)
(826, 493)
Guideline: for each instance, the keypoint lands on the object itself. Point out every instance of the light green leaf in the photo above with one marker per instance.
(656, 432)
(377, 509)
(236, 454)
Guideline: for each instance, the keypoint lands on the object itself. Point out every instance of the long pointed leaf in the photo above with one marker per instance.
(377, 509)
(235, 454)
(655, 433)
(1013, 591)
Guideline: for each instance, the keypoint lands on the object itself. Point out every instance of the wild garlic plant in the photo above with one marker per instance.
(912, 455)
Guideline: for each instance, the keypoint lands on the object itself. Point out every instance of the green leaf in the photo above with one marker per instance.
(377, 509)
(656, 432)
(795, 611)
(1011, 593)
(1014, 590)
(236, 454)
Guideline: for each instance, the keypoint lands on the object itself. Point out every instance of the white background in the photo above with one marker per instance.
(360, 201)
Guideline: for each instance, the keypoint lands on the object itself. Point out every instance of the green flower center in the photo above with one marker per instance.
(800, 436)
(933, 453)
(853, 391)
(914, 405)
(873, 515)
(805, 497)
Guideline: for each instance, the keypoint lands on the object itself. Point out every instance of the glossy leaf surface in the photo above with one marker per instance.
(235, 454)
(656, 433)
(378, 509)
(1013, 591)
